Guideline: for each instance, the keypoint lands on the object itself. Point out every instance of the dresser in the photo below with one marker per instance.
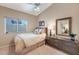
(66, 45)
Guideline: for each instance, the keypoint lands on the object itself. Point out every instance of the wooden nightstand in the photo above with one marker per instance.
(63, 44)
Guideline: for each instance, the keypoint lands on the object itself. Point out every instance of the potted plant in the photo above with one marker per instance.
(72, 35)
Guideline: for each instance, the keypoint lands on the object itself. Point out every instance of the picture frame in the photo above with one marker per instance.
(41, 23)
(63, 26)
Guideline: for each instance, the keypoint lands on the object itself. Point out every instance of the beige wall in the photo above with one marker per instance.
(6, 38)
(57, 11)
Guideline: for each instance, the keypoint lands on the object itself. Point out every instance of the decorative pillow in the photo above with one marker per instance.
(39, 30)
(36, 30)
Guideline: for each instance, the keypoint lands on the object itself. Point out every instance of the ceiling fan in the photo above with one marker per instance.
(34, 6)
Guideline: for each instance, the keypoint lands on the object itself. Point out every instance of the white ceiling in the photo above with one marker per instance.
(23, 7)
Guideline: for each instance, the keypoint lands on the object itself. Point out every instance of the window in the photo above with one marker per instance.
(22, 25)
(14, 25)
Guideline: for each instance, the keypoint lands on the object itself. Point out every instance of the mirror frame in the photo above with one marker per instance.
(70, 25)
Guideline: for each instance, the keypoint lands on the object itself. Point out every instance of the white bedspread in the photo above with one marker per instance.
(27, 39)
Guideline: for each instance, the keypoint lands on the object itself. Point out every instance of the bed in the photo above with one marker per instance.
(26, 42)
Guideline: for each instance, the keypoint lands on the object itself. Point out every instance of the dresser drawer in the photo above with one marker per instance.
(54, 43)
(69, 49)
(70, 44)
(49, 41)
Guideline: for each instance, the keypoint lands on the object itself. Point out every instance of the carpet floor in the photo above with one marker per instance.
(42, 50)
(46, 50)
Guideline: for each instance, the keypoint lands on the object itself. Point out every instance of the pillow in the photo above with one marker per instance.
(36, 30)
(39, 30)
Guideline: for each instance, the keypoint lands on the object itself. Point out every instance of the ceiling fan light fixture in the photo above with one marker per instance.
(36, 9)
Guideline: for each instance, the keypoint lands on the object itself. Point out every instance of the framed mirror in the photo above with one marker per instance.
(63, 26)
